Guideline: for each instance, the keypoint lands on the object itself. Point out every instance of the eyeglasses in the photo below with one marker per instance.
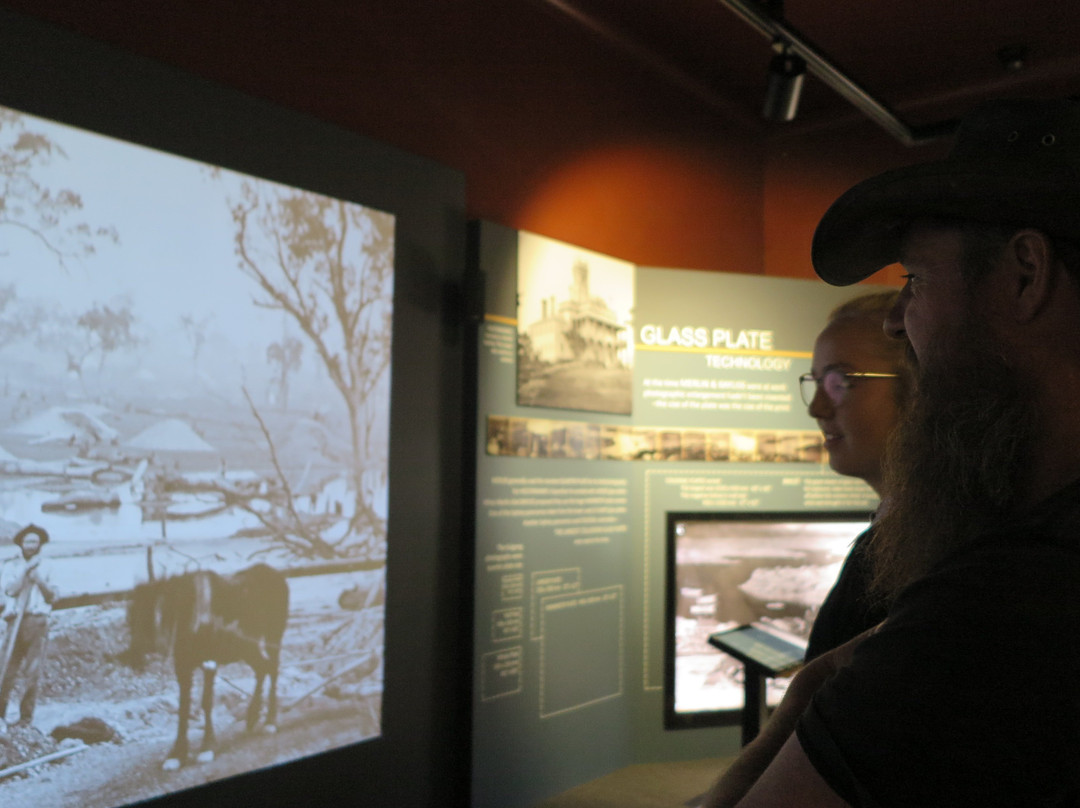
(835, 383)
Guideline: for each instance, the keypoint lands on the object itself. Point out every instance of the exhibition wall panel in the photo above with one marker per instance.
(611, 395)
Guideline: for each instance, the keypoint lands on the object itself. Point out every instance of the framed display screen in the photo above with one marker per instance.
(208, 308)
(727, 570)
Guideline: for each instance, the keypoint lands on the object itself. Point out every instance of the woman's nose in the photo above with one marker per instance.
(821, 405)
(894, 320)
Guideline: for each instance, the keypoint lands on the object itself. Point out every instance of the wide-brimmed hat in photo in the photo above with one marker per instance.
(40, 532)
(1014, 162)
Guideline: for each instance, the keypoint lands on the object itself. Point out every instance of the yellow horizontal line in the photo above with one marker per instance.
(497, 318)
(746, 352)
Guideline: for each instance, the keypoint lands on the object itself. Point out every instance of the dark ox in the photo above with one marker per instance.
(210, 619)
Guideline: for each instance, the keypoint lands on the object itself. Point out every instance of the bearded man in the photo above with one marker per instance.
(965, 695)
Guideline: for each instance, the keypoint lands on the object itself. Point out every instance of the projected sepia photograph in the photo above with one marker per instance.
(194, 411)
(575, 329)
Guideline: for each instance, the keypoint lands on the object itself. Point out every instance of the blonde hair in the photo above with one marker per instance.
(874, 306)
(872, 309)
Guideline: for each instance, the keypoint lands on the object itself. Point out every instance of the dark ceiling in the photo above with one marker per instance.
(365, 63)
(929, 60)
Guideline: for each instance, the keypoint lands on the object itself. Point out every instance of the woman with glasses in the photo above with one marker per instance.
(856, 390)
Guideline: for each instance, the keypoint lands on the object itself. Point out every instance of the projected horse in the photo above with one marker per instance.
(210, 619)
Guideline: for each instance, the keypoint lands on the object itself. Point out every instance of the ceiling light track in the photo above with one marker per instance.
(776, 29)
(649, 59)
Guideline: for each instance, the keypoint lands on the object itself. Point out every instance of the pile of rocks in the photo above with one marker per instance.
(24, 743)
(19, 743)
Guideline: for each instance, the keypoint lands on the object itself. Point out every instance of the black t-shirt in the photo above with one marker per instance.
(848, 610)
(969, 695)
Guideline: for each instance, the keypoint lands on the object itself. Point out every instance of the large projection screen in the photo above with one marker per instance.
(223, 343)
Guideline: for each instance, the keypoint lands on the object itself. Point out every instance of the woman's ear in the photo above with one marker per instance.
(1031, 269)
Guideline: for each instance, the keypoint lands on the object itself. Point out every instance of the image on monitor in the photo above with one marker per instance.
(194, 429)
(726, 570)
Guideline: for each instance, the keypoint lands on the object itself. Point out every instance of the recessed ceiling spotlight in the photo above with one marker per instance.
(1013, 57)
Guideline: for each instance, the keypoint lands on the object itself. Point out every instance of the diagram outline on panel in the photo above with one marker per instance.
(505, 662)
(535, 596)
(585, 676)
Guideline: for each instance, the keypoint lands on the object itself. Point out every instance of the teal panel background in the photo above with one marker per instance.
(533, 529)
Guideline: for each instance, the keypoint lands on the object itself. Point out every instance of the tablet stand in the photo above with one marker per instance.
(763, 655)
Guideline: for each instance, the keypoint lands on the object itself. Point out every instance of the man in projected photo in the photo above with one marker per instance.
(28, 597)
(857, 387)
(966, 693)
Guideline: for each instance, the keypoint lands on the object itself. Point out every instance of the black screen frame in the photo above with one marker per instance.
(674, 720)
(421, 757)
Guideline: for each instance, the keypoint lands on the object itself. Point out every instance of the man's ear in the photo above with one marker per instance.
(1031, 271)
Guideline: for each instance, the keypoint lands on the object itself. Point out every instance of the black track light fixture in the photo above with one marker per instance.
(787, 71)
(767, 17)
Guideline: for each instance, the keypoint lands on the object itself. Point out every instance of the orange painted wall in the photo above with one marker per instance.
(671, 203)
(594, 149)
(802, 177)
(730, 204)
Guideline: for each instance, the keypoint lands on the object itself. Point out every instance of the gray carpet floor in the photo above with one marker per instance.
(647, 785)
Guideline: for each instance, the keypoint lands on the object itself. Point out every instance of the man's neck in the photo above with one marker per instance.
(1049, 475)
(1055, 461)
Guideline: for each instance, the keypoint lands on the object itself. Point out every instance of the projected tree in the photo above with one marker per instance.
(29, 205)
(101, 330)
(13, 325)
(328, 265)
(107, 329)
(195, 329)
(285, 356)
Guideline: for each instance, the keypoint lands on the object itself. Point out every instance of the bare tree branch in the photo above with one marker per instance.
(327, 265)
(315, 541)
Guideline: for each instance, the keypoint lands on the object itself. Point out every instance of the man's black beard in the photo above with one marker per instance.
(954, 466)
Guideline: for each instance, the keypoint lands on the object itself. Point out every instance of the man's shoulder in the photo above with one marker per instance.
(1055, 520)
(1018, 557)
(1028, 544)
(1000, 586)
